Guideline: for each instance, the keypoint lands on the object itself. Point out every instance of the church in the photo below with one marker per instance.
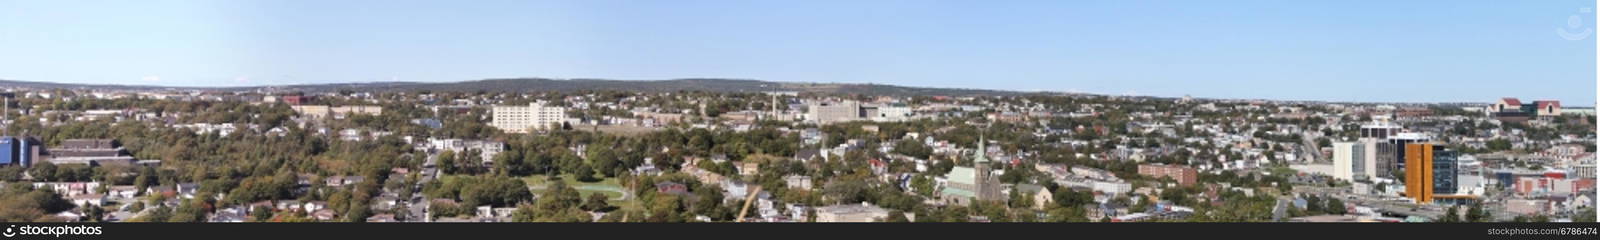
(976, 183)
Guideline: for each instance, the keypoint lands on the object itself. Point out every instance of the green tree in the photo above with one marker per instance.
(596, 203)
(1450, 216)
(584, 173)
(447, 162)
(261, 214)
(922, 185)
(913, 148)
(1336, 206)
(96, 213)
(1585, 215)
(1067, 198)
(605, 161)
(1476, 213)
(896, 216)
(1498, 144)
(1067, 214)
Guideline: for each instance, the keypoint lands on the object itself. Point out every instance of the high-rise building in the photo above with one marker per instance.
(1392, 152)
(1387, 158)
(1365, 164)
(519, 119)
(1402, 139)
(1344, 158)
(1430, 170)
(1380, 128)
(1356, 160)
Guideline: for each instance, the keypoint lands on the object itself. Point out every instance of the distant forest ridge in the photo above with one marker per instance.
(673, 85)
(567, 85)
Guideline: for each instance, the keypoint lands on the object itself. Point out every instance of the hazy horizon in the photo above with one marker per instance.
(1430, 51)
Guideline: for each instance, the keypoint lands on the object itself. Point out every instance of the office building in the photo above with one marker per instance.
(1392, 152)
(1430, 170)
(1344, 157)
(1380, 128)
(1366, 159)
(1355, 160)
(829, 112)
(520, 119)
(887, 112)
(824, 112)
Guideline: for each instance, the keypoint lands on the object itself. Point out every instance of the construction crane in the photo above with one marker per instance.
(749, 197)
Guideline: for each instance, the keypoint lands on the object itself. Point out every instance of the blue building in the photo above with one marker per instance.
(18, 151)
(1445, 170)
(9, 151)
(29, 150)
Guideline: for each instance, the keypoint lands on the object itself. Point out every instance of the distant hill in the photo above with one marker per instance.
(51, 85)
(543, 85)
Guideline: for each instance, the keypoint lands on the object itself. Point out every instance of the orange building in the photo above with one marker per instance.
(1419, 172)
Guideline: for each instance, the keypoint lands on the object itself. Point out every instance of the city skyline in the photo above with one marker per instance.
(1363, 52)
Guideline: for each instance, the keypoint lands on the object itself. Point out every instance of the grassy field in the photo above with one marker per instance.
(616, 129)
(614, 191)
(617, 194)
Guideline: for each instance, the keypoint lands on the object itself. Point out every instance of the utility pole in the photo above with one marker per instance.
(5, 116)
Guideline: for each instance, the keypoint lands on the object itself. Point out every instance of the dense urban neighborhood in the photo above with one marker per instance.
(279, 154)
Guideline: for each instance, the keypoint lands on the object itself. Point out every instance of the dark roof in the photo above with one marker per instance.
(806, 154)
(89, 144)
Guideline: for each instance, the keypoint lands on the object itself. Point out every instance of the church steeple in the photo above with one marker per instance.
(985, 187)
(983, 150)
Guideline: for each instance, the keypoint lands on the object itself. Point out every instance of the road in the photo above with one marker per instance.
(1280, 210)
(419, 203)
(1396, 205)
(1308, 146)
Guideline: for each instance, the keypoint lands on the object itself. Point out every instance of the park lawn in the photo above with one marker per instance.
(608, 186)
(536, 184)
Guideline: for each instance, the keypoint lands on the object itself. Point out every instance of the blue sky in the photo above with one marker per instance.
(1417, 51)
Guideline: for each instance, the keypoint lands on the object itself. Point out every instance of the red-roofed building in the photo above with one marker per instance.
(1506, 105)
(1547, 108)
(1509, 103)
(1514, 110)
